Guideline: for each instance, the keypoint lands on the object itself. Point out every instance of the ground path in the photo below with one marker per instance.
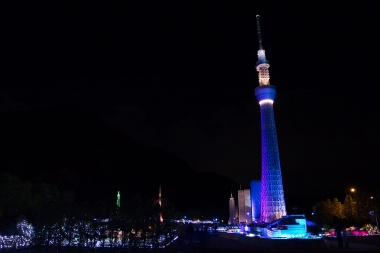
(215, 243)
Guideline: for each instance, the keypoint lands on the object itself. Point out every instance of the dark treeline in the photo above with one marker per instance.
(356, 210)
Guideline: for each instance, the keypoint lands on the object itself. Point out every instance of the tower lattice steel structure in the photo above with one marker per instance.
(272, 202)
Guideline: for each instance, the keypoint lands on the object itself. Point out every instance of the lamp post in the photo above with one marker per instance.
(350, 205)
(373, 213)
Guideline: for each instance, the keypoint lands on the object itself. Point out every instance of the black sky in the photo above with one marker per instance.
(180, 75)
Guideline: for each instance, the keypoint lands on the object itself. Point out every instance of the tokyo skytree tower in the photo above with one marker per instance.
(272, 201)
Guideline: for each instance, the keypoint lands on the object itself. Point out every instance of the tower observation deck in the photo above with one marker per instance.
(272, 201)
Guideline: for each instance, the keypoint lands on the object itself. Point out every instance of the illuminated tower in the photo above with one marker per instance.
(272, 204)
(232, 208)
(118, 199)
(160, 203)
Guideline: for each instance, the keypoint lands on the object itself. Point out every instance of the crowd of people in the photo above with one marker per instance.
(187, 233)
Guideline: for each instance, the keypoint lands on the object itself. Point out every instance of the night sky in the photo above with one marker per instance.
(180, 75)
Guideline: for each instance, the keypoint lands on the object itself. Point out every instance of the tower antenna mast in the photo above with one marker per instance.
(262, 65)
(259, 31)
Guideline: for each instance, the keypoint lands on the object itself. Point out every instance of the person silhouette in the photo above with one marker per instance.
(181, 233)
(339, 236)
(189, 232)
(345, 238)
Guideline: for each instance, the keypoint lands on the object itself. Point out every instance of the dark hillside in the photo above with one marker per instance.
(77, 151)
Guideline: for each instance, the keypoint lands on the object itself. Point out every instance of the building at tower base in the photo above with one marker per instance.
(245, 207)
(255, 200)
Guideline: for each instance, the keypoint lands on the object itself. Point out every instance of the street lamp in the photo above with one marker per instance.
(353, 191)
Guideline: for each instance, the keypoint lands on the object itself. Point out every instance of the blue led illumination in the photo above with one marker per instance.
(272, 201)
(272, 204)
(267, 92)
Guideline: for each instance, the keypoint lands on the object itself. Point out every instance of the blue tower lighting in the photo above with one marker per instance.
(272, 204)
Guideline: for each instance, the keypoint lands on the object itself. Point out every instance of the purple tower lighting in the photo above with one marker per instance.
(272, 204)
